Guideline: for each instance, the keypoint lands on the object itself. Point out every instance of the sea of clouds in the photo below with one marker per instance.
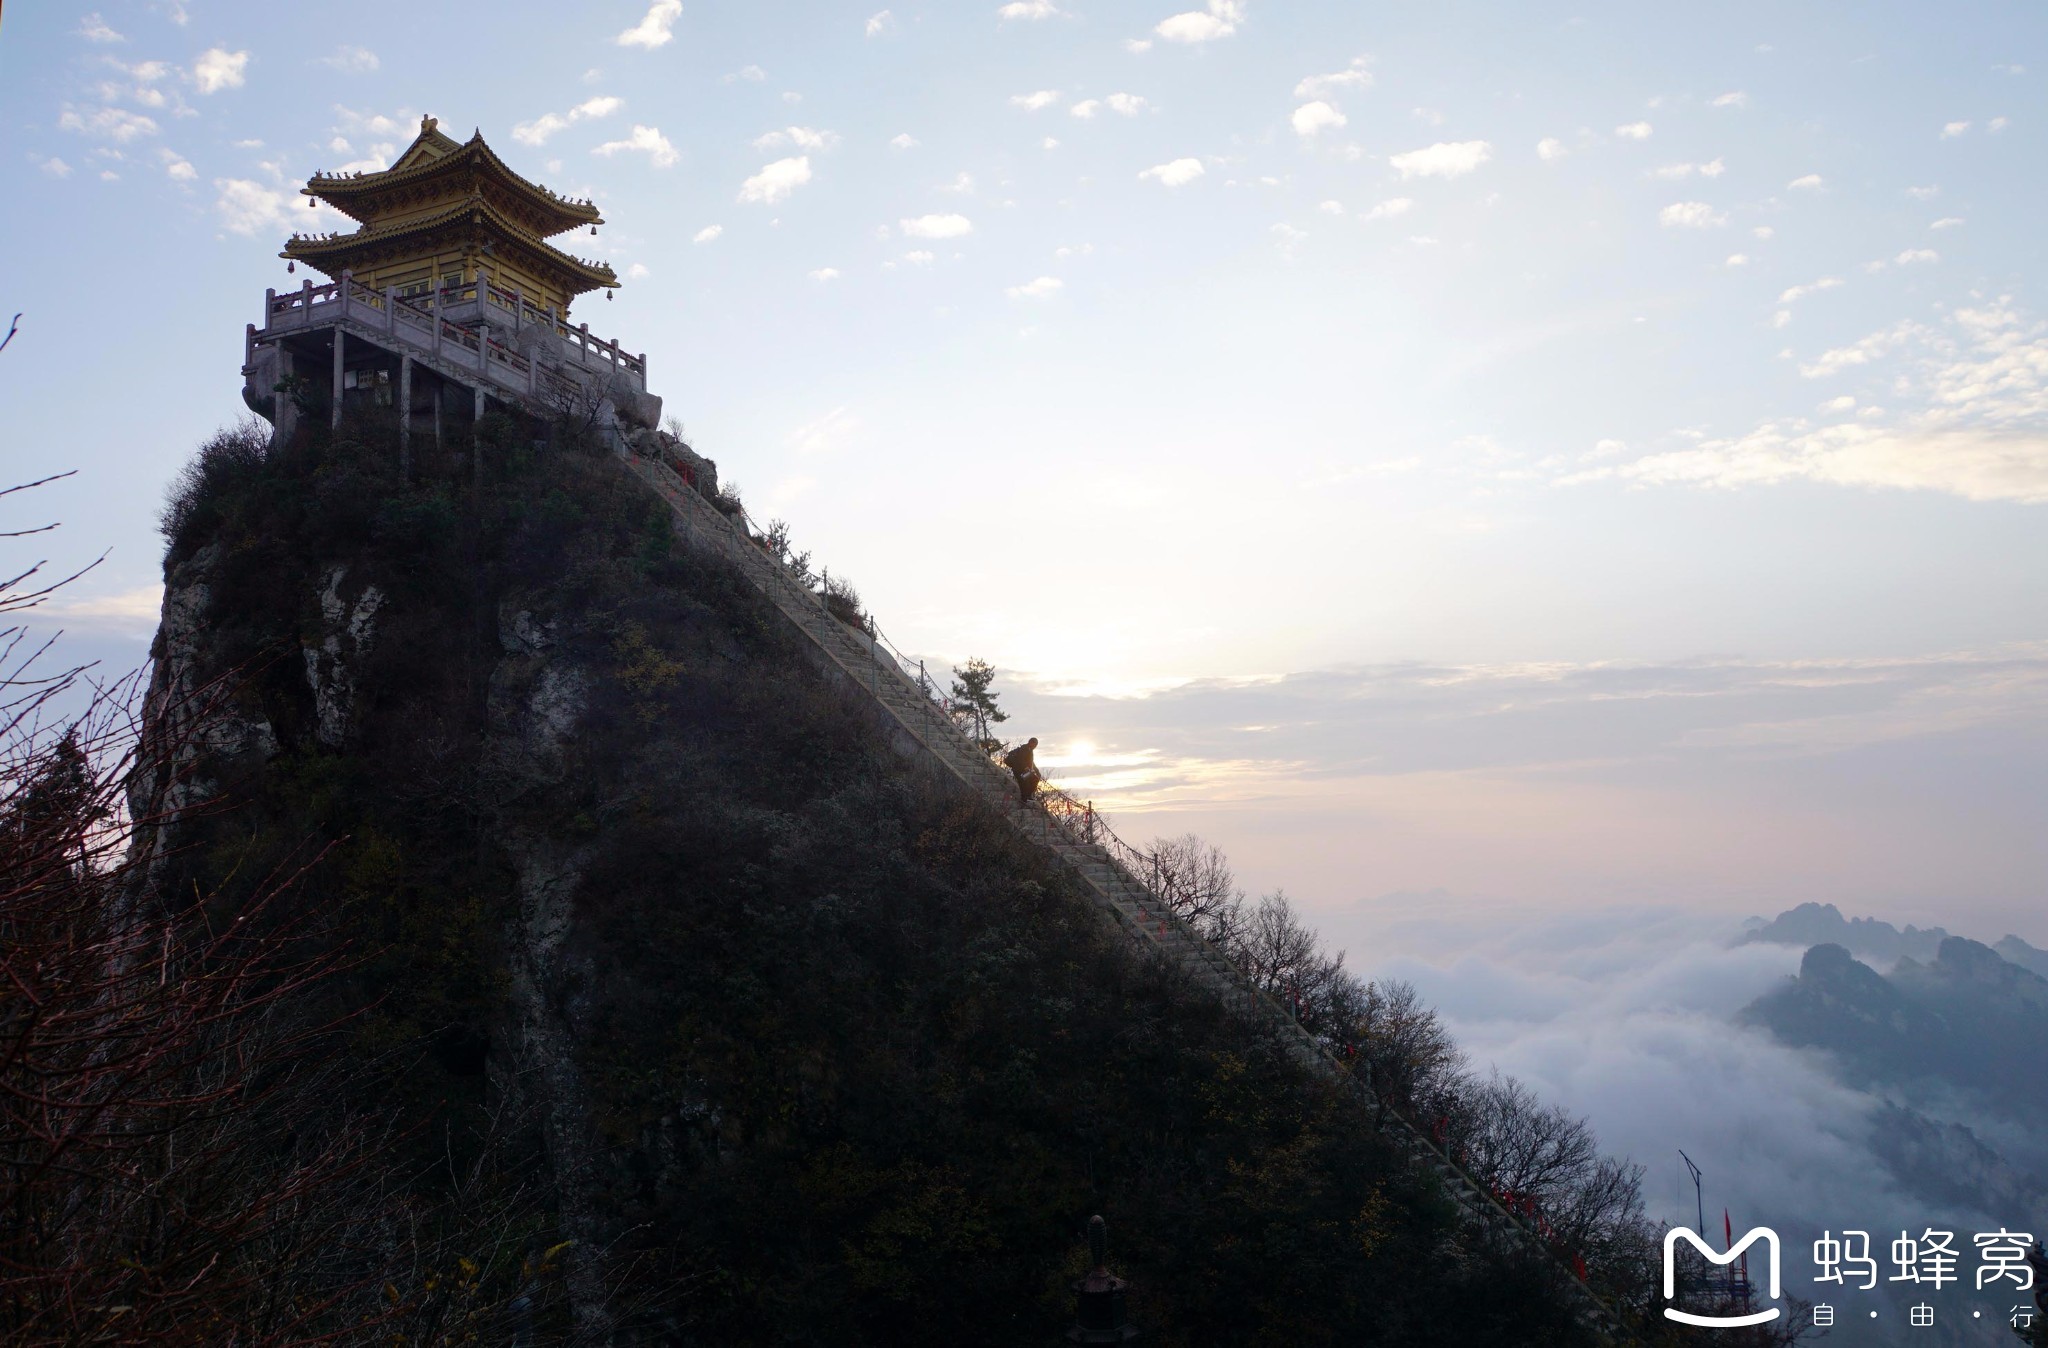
(1627, 1016)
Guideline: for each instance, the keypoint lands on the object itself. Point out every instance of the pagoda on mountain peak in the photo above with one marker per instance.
(443, 214)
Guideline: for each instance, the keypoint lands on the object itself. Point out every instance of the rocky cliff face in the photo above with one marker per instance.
(791, 1044)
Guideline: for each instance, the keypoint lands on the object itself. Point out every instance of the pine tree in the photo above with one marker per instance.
(974, 706)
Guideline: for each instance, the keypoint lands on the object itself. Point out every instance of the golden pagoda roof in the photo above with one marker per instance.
(436, 164)
(332, 252)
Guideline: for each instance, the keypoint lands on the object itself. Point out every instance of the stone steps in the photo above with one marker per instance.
(1135, 909)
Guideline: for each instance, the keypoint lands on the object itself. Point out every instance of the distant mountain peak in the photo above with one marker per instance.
(1812, 924)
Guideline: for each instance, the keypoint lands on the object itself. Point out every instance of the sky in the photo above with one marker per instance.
(1570, 456)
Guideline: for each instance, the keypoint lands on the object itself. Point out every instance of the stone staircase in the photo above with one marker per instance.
(1122, 895)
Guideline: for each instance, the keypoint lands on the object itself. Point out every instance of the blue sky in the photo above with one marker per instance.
(1558, 453)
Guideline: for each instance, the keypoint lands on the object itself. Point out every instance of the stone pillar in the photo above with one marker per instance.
(391, 310)
(483, 346)
(287, 419)
(341, 289)
(248, 346)
(405, 417)
(476, 440)
(269, 306)
(334, 418)
(583, 346)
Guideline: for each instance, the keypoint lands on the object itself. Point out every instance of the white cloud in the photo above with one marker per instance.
(1048, 144)
(218, 69)
(1357, 75)
(1782, 318)
(776, 181)
(248, 207)
(1550, 149)
(646, 140)
(139, 608)
(1690, 215)
(1977, 464)
(1983, 386)
(1634, 131)
(1947, 222)
(1669, 172)
(1797, 293)
(1845, 403)
(177, 166)
(1311, 119)
(880, 22)
(1044, 98)
(1950, 130)
(373, 124)
(1220, 19)
(55, 167)
(1737, 260)
(1446, 159)
(1126, 105)
(537, 131)
(707, 234)
(749, 74)
(1042, 288)
(1086, 108)
(1175, 172)
(905, 141)
(1872, 348)
(919, 257)
(94, 29)
(653, 29)
(1289, 237)
(797, 138)
(1763, 231)
(351, 60)
(115, 124)
(1997, 124)
(936, 227)
(1331, 208)
(1390, 208)
(1912, 255)
(1811, 182)
(962, 184)
(1027, 10)
(1733, 99)
(825, 274)
(638, 271)
(1137, 46)
(1928, 193)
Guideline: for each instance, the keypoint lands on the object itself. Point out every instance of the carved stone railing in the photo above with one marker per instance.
(317, 305)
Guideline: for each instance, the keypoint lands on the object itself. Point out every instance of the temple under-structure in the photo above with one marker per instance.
(448, 302)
